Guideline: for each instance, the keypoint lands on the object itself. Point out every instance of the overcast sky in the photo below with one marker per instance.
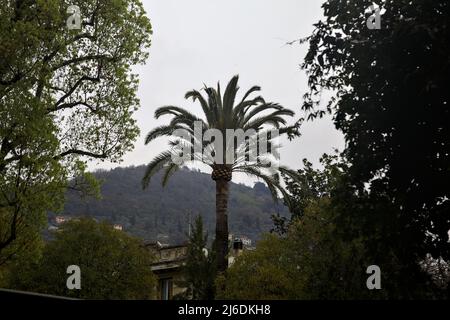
(205, 41)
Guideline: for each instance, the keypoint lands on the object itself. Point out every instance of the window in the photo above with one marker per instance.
(165, 288)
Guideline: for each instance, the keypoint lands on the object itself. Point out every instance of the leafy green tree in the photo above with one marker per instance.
(358, 233)
(306, 187)
(113, 264)
(327, 247)
(331, 266)
(263, 274)
(26, 250)
(391, 103)
(66, 96)
(221, 113)
(200, 268)
(313, 259)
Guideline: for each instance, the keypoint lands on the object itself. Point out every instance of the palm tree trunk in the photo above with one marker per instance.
(222, 192)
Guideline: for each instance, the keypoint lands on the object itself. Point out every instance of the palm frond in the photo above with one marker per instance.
(272, 120)
(170, 170)
(168, 110)
(165, 130)
(264, 107)
(272, 181)
(155, 165)
(216, 109)
(221, 114)
(250, 91)
(241, 109)
(187, 121)
(219, 96)
(229, 97)
(196, 95)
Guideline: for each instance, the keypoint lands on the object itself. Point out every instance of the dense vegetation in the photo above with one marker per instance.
(323, 252)
(165, 211)
(200, 271)
(391, 104)
(386, 201)
(113, 265)
(66, 96)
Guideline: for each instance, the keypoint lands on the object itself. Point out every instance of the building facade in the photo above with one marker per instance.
(167, 268)
(169, 261)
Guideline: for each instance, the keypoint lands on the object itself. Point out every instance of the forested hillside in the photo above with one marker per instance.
(163, 213)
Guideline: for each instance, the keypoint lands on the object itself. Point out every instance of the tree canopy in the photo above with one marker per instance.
(113, 264)
(65, 96)
(325, 251)
(199, 270)
(391, 102)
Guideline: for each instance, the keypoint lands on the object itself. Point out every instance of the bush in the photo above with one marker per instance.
(113, 264)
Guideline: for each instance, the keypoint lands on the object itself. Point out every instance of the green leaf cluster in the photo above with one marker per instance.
(113, 264)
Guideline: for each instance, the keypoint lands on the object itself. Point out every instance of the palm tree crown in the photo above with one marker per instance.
(221, 114)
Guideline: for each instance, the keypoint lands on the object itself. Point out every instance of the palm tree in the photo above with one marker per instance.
(222, 114)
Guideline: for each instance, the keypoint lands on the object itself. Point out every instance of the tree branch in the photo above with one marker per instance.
(80, 59)
(76, 85)
(81, 152)
(71, 105)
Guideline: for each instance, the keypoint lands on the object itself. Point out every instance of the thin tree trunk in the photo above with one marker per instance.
(222, 192)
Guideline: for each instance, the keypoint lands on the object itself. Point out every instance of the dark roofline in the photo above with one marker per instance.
(157, 244)
(175, 246)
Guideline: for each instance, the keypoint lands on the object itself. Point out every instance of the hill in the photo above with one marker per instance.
(159, 213)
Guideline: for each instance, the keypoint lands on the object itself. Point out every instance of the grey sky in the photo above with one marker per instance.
(205, 41)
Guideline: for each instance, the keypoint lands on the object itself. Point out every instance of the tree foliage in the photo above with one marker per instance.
(325, 252)
(200, 269)
(309, 260)
(262, 274)
(222, 113)
(113, 264)
(162, 210)
(252, 116)
(391, 103)
(390, 100)
(65, 96)
(306, 187)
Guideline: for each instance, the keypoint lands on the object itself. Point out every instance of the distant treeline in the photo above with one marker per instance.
(163, 213)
